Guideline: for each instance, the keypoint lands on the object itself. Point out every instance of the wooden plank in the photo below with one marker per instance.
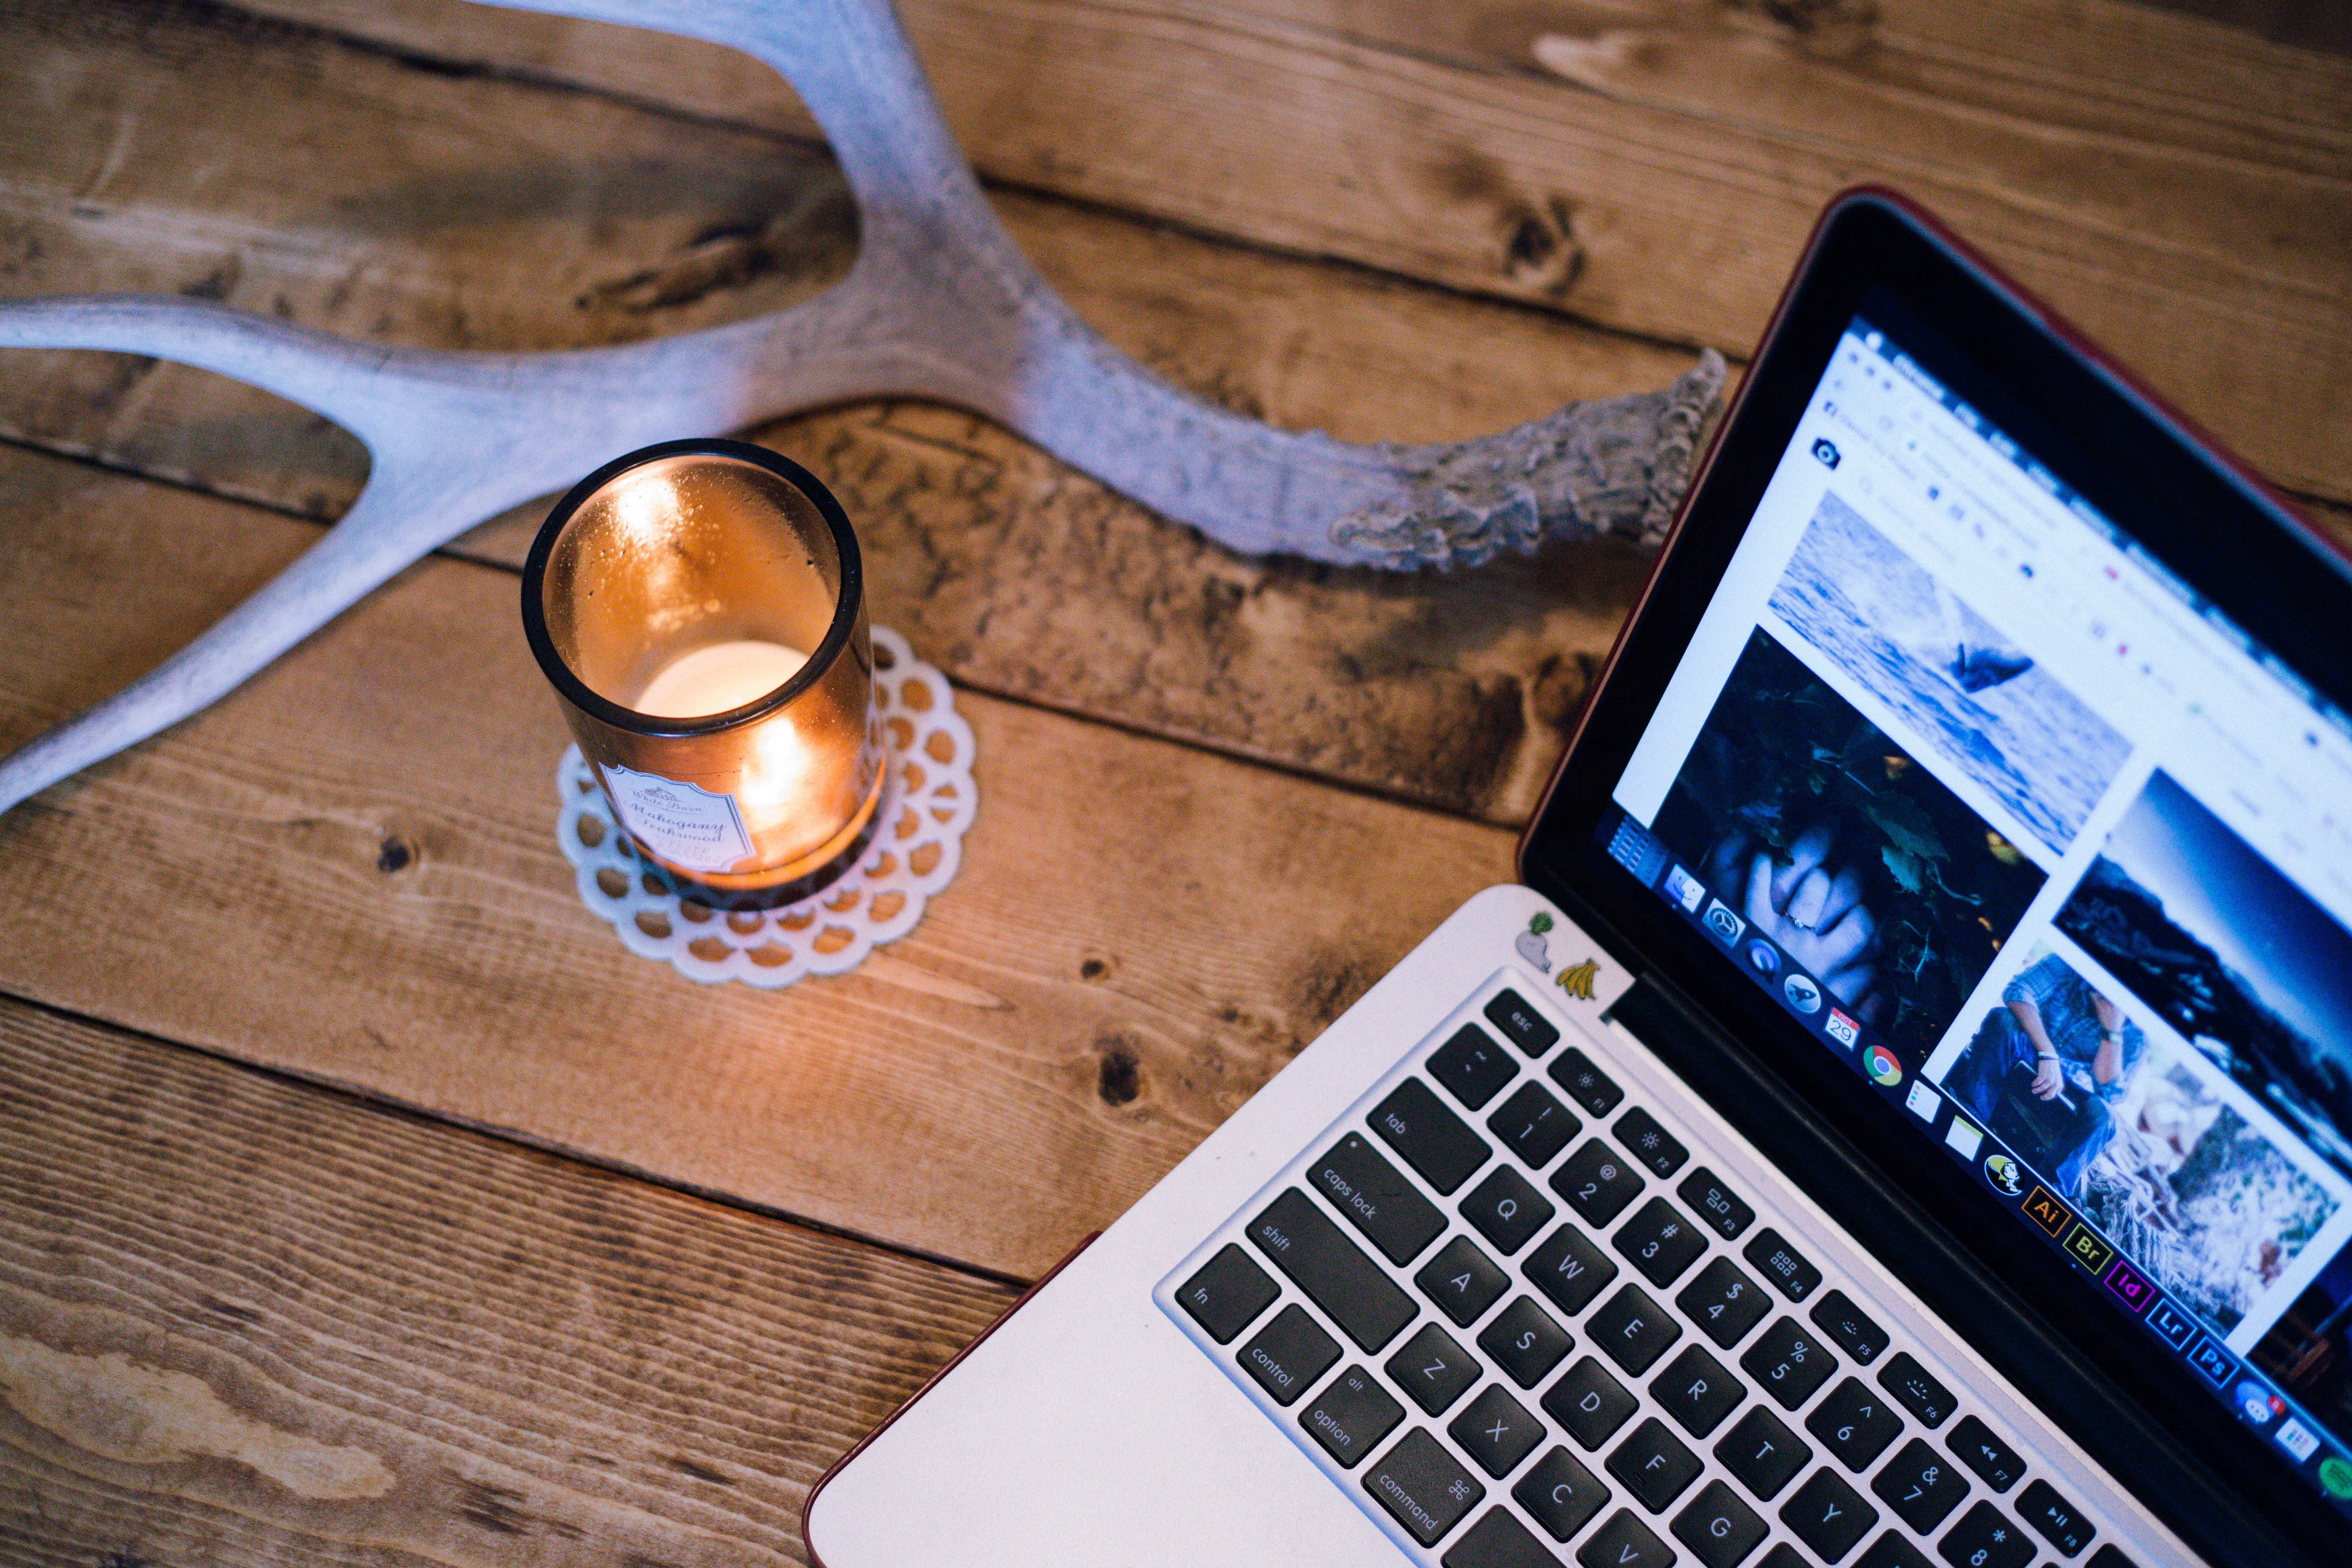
(1025, 579)
(1666, 199)
(347, 870)
(246, 1321)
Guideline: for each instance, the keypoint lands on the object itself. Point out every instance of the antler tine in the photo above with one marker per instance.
(939, 303)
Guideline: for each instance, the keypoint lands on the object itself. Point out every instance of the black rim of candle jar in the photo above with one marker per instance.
(577, 692)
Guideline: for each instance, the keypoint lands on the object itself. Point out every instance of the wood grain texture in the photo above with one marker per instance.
(1668, 186)
(247, 1320)
(1445, 689)
(347, 870)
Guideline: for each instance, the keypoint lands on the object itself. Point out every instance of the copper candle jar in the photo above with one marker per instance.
(699, 608)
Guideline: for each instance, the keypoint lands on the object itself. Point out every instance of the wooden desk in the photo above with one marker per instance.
(365, 1202)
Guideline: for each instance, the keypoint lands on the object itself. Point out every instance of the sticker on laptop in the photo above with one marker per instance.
(1531, 944)
(1577, 980)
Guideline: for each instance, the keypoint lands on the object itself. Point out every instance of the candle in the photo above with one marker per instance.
(719, 679)
(713, 566)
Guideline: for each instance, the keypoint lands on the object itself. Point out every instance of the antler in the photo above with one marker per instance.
(939, 305)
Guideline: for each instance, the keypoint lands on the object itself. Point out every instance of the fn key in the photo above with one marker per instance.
(1227, 1293)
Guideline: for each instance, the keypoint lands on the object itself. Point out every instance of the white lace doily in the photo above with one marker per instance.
(926, 805)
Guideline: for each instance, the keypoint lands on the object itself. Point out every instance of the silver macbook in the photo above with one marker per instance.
(1904, 1114)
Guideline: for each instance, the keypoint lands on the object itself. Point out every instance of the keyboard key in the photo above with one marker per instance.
(1525, 1343)
(1289, 1353)
(1376, 1199)
(1652, 1146)
(1625, 1543)
(1718, 1527)
(1828, 1515)
(1473, 1066)
(1462, 1280)
(1994, 1461)
(1786, 1556)
(1533, 1125)
(1986, 1539)
(1724, 1302)
(2060, 1522)
(1789, 1363)
(1598, 1183)
(1697, 1392)
(1520, 1024)
(1567, 1267)
(2109, 1556)
(1228, 1293)
(1588, 1403)
(1589, 1088)
(1891, 1551)
(1432, 1140)
(1846, 1326)
(1633, 1331)
(1716, 1205)
(1764, 1454)
(1351, 1416)
(1498, 1541)
(1905, 1379)
(1560, 1494)
(1856, 1423)
(1660, 1241)
(1422, 1488)
(1432, 1370)
(1653, 1465)
(1921, 1486)
(1333, 1271)
(1496, 1431)
(1506, 1210)
(1783, 1265)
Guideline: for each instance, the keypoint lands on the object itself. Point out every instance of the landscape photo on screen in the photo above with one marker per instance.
(2309, 1349)
(1837, 845)
(2232, 954)
(1976, 699)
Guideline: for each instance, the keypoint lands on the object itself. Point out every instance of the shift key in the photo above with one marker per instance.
(1332, 1270)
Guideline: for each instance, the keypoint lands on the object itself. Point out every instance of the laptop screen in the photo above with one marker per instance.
(2049, 849)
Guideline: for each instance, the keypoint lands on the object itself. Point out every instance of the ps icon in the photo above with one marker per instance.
(1826, 451)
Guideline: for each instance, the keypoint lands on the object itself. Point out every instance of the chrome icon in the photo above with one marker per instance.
(1883, 1065)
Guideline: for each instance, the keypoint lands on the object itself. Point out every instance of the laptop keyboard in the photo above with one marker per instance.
(1507, 1308)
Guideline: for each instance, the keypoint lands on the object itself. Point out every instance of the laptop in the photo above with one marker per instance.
(1902, 1116)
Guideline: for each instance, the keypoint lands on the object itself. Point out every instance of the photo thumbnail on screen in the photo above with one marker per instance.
(2309, 1349)
(1836, 844)
(2138, 1133)
(2228, 952)
(1980, 702)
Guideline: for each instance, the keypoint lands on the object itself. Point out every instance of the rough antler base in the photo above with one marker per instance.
(939, 305)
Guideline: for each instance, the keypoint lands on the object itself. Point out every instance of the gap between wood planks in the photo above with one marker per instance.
(2118, 157)
(347, 870)
(246, 1318)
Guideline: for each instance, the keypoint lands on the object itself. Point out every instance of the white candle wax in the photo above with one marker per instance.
(714, 678)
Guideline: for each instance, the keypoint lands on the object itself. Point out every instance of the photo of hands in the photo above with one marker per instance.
(1832, 842)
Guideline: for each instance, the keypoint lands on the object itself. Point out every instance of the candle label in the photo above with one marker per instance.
(684, 824)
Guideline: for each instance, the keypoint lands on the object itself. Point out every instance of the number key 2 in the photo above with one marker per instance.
(1597, 1182)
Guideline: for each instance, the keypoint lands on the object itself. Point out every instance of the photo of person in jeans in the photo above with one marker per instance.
(2045, 1069)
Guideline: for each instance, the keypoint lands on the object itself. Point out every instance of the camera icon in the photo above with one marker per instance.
(1826, 451)
(1725, 925)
